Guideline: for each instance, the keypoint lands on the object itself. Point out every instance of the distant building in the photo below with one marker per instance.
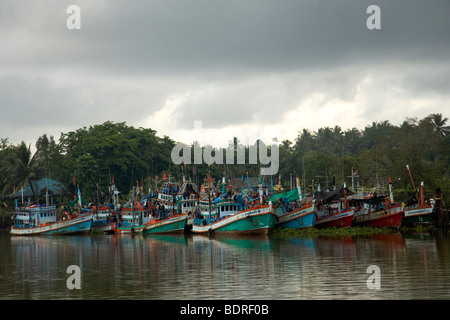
(55, 188)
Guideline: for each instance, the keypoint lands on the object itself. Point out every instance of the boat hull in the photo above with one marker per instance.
(337, 220)
(111, 227)
(175, 224)
(251, 221)
(75, 225)
(417, 216)
(304, 217)
(384, 218)
(130, 229)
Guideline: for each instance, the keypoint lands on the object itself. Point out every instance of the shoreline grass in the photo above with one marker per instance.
(352, 231)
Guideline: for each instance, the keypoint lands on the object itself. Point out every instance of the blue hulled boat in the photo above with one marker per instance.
(41, 219)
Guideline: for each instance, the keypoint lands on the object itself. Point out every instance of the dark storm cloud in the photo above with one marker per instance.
(223, 62)
(233, 37)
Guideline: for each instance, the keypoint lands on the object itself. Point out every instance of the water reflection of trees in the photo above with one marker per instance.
(197, 267)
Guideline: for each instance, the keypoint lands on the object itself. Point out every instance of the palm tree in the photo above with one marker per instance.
(439, 124)
(20, 169)
(305, 141)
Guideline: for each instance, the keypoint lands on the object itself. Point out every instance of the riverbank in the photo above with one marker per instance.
(6, 219)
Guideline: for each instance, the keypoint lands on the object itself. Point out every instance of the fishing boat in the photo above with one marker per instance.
(187, 197)
(169, 224)
(293, 211)
(255, 220)
(132, 218)
(167, 196)
(341, 219)
(418, 213)
(134, 215)
(187, 201)
(103, 219)
(379, 211)
(376, 215)
(165, 216)
(36, 219)
(298, 218)
(333, 211)
(232, 213)
(41, 219)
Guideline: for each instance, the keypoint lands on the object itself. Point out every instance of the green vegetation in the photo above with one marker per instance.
(334, 232)
(94, 232)
(330, 232)
(93, 156)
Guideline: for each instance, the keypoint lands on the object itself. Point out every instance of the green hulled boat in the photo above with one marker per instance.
(173, 224)
(257, 220)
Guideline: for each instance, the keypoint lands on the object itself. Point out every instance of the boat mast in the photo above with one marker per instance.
(299, 190)
(345, 197)
(412, 181)
(391, 195)
(209, 192)
(422, 194)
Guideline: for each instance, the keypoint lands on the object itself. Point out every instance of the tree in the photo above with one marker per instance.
(439, 124)
(20, 169)
(96, 154)
(305, 141)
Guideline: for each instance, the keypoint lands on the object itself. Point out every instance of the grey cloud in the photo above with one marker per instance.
(231, 61)
(231, 37)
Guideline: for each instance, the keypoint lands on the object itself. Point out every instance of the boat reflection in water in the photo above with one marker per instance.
(225, 267)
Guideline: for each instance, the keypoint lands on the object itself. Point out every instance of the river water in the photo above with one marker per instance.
(191, 267)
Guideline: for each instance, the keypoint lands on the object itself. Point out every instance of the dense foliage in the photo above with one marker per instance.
(92, 157)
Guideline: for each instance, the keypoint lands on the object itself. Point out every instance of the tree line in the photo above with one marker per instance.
(93, 157)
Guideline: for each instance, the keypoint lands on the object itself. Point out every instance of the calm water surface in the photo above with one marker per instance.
(197, 267)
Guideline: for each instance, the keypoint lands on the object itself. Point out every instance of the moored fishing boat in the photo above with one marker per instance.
(293, 211)
(377, 218)
(171, 224)
(41, 219)
(187, 197)
(298, 218)
(418, 213)
(132, 219)
(187, 201)
(167, 196)
(255, 220)
(342, 219)
(236, 213)
(103, 219)
(333, 211)
(35, 219)
(378, 211)
(133, 216)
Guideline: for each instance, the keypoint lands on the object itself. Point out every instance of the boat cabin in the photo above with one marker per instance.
(34, 215)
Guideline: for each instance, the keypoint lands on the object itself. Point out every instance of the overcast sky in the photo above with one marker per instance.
(252, 68)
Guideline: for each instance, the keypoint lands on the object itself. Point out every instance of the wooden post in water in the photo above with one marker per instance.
(439, 216)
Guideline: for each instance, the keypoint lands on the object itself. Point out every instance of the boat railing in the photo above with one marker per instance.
(37, 208)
